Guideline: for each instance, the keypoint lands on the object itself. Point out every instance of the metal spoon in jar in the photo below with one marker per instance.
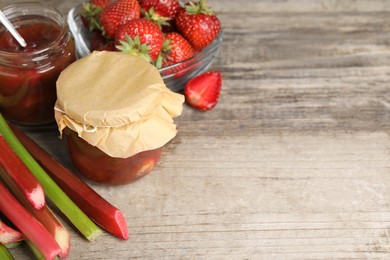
(12, 29)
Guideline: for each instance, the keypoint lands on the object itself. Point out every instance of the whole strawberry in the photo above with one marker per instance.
(117, 14)
(202, 92)
(90, 13)
(198, 23)
(162, 12)
(175, 49)
(162, 8)
(100, 3)
(100, 43)
(97, 40)
(140, 37)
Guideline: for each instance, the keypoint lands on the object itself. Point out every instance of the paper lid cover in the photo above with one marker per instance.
(113, 89)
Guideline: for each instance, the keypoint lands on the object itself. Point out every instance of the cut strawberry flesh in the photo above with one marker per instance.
(202, 92)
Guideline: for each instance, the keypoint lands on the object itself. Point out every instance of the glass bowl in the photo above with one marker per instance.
(174, 76)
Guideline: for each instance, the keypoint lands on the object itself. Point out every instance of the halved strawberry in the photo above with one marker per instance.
(202, 92)
(117, 14)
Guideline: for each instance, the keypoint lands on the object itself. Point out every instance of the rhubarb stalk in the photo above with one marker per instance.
(9, 235)
(97, 208)
(48, 219)
(55, 228)
(38, 255)
(5, 254)
(27, 224)
(13, 169)
(84, 224)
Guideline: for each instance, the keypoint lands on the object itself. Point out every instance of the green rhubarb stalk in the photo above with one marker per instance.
(83, 223)
(4, 253)
(38, 255)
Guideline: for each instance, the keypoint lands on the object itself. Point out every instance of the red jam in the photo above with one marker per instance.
(28, 75)
(38, 35)
(99, 167)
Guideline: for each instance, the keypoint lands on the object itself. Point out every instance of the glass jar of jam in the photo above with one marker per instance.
(117, 115)
(28, 74)
(99, 167)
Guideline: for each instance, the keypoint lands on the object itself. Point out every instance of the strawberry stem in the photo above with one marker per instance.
(55, 194)
(91, 13)
(96, 207)
(200, 7)
(158, 19)
(134, 47)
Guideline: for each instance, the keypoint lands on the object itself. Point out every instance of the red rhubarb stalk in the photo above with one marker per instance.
(55, 228)
(12, 168)
(90, 202)
(27, 224)
(9, 235)
(48, 220)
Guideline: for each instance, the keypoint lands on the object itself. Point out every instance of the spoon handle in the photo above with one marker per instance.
(12, 30)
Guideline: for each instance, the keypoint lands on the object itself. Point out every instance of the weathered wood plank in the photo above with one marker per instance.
(293, 163)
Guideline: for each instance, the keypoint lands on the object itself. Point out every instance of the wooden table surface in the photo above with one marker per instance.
(294, 161)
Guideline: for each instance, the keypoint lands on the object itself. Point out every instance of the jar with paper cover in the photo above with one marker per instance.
(117, 115)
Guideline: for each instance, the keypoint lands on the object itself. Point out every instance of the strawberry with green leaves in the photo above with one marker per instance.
(117, 14)
(90, 13)
(202, 92)
(198, 23)
(163, 8)
(163, 12)
(140, 37)
(175, 49)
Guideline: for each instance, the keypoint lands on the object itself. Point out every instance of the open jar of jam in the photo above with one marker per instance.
(28, 74)
(117, 115)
